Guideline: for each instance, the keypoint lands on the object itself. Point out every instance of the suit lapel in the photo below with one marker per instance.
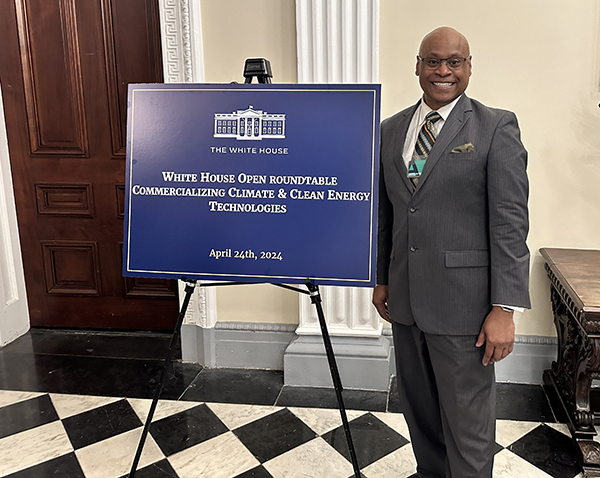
(399, 139)
(454, 124)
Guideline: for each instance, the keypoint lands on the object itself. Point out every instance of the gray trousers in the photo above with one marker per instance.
(449, 401)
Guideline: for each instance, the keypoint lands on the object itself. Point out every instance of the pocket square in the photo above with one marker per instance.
(464, 148)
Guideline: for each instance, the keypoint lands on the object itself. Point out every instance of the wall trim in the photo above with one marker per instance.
(519, 339)
(364, 362)
(237, 345)
(256, 327)
(532, 354)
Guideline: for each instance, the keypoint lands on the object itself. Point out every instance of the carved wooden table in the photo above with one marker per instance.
(575, 295)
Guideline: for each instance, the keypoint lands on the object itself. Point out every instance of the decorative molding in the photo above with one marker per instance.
(172, 46)
(519, 339)
(536, 340)
(71, 267)
(65, 199)
(202, 308)
(255, 327)
(588, 318)
(183, 62)
(348, 311)
(181, 29)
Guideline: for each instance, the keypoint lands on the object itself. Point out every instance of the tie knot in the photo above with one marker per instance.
(433, 117)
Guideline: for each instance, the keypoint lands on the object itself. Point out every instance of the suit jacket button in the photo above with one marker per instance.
(413, 209)
(413, 248)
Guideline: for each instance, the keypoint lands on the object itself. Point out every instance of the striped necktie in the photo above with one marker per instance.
(425, 141)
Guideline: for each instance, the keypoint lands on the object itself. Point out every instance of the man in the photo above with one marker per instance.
(452, 262)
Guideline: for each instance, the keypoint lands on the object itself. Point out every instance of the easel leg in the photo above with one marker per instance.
(189, 288)
(315, 298)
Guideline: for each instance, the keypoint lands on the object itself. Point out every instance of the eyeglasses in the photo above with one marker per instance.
(454, 63)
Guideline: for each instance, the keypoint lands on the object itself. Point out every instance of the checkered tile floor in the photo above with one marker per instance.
(96, 437)
(48, 428)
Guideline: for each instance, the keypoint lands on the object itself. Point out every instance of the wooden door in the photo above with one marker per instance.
(64, 70)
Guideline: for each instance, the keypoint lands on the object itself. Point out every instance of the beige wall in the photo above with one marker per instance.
(540, 59)
(233, 30)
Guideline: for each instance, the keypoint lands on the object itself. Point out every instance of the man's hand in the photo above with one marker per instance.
(380, 301)
(498, 334)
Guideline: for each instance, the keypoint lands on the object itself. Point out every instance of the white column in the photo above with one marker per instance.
(338, 42)
(348, 311)
(183, 62)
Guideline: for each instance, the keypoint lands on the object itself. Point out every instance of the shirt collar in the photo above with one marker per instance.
(444, 111)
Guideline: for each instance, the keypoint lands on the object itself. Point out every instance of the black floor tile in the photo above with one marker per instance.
(313, 397)
(186, 429)
(160, 469)
(25, 415)
(258, 472)
(372, 439)
(252, 387)
(92, 375)
(65, 466)
(101, 423)
(497, 448)
(516, 401)
(274, 434)
(179, 377)
(549, 450)
(142, 345)
(22, 372)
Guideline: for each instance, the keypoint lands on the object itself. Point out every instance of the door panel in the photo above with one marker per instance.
(64, 69)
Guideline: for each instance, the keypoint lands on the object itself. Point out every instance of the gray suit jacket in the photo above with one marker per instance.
(456, 245)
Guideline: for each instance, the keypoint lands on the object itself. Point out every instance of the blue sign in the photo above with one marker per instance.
(252, 183)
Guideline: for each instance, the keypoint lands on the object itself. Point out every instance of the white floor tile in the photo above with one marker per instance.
(509, 431)
(221, 457)
(398, 464)
(509, 465)
(34, 446)
(164, 408)
(315, 459)
(69, 405)
(234, 415)
(322, 420)
(395, 421)
(112, 458)
(8, 397)
(560, 427)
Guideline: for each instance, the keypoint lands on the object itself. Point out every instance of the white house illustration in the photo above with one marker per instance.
(249, 124)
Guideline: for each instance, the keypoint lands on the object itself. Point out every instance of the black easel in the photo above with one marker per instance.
(315, 298)
(261, 69)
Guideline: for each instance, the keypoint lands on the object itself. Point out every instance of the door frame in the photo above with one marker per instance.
(14, 312)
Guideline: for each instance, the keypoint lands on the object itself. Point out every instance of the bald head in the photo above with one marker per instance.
(445, 35)
(443, 81)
